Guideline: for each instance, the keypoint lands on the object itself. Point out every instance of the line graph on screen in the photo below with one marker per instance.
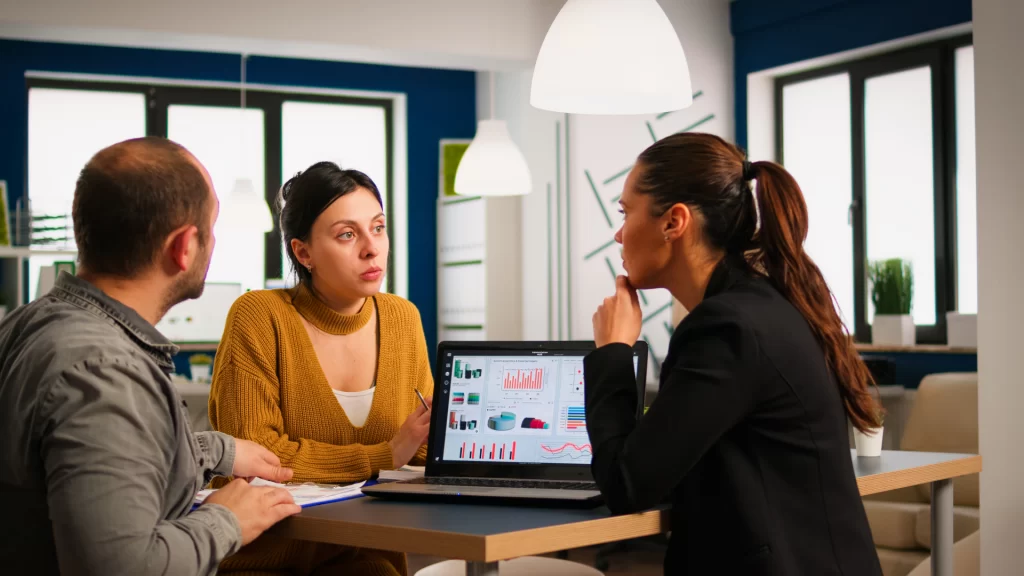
(567, 451)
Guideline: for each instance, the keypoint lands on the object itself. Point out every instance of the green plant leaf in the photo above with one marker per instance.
(892, 286)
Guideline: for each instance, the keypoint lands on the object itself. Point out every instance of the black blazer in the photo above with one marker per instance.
(747, 438)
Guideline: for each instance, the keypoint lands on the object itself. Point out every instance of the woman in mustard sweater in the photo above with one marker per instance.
(325, 374)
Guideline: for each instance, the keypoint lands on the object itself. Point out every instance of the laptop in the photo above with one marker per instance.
(509, 426)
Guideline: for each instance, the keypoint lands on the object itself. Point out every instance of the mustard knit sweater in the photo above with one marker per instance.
(268, 386)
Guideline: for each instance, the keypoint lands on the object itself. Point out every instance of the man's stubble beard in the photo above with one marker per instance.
(188, 287)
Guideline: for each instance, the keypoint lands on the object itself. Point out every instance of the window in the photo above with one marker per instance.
(966, 184)
(229, 143)
(899, 179)
(65, 128)
(883, 149)
(278, 134)
(817, 151)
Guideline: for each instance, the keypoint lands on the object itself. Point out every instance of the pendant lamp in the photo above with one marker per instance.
(611, 57)
(493, 164)
(247, 206)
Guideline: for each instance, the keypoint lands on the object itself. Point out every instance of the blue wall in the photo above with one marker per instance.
(440, 104)
(770, 33)
(909, 368)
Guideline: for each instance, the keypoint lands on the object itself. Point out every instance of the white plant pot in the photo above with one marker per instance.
(868, 445)
(962, 330)
(893, 330)
(3, 312)
(200, 372)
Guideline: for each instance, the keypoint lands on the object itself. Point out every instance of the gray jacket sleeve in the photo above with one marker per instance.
(216, 455)
(107, 451)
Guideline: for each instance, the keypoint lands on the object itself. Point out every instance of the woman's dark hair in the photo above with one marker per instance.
(307, 195)
(709, 174)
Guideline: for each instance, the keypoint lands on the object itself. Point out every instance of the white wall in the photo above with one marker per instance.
(444, 33)
(605, 146)
(998, 86)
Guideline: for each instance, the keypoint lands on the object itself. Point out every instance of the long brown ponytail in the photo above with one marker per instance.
(780, 254)
(706, 172)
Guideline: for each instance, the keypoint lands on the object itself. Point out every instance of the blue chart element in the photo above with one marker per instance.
(575, 418)
(506, 421)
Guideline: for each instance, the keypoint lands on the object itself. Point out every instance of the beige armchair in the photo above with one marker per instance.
(943, 418)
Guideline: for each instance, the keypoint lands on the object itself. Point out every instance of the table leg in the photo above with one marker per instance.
(481, 569)
(942, 528)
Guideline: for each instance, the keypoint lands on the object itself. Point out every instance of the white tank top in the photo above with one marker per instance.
(356, 405)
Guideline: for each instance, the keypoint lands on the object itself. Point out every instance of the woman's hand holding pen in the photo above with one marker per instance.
(411, 435)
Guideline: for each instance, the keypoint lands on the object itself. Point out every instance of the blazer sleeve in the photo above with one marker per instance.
(708, 391)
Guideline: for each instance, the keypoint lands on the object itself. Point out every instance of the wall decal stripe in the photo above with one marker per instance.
(597, 196)
(599, 250)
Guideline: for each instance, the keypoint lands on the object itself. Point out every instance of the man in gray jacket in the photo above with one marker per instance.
(98, 464)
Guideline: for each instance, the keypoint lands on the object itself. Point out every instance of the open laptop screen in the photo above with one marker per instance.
(512, 404)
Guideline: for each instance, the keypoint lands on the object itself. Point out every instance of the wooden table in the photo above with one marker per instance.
(483, 535)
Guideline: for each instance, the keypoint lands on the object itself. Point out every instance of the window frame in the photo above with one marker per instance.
(160, 96)
(940, 57)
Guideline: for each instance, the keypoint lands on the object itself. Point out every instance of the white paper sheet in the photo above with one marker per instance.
(404, 473)
(305, 495)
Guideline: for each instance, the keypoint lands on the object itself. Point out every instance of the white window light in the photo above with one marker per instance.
(493, 165)
(611, 57)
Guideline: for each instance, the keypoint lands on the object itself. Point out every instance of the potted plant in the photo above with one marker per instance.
(869, 443)
(892, 289)
(201, 365)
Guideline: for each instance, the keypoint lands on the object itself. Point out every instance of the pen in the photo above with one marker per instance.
(422, 401)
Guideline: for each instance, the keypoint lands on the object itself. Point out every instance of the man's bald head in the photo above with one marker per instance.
(130, 197)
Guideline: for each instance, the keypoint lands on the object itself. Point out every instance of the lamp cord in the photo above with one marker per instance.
(492, 73)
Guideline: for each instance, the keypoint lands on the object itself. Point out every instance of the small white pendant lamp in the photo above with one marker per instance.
(248, 208)
(611, 57)
(493, 164)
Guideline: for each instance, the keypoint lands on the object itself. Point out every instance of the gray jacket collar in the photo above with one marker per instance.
(76, 291)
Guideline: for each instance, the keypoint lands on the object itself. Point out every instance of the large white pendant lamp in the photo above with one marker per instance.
(611, 57)
(493, 164)
(247, 207)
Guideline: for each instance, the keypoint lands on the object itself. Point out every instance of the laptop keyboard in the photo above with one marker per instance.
(506, 483)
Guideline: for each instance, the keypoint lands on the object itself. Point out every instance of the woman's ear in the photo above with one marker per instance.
(301, 251)
(675, 221)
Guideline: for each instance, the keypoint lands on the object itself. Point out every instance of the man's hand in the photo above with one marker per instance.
(255, 461)
(256, 508)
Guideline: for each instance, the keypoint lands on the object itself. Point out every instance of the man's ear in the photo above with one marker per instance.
(182, 246)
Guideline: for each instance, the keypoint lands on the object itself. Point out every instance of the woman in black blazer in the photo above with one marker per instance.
(748, 435)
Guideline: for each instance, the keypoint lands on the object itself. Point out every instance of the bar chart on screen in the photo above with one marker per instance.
(573, 418)
(523, 379)
(504, 451)
(576, 453)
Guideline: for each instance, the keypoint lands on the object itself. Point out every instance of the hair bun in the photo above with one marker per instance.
(286, 189)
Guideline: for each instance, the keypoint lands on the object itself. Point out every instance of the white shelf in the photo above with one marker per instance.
(25, 252)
